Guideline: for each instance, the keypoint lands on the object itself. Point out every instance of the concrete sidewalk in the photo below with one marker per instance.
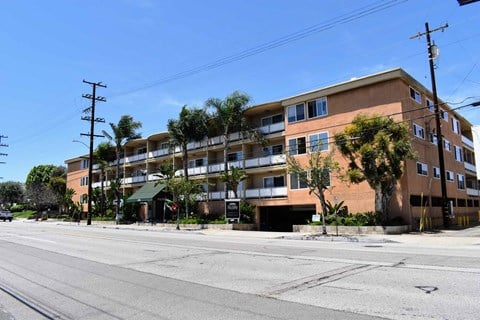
(442, 238)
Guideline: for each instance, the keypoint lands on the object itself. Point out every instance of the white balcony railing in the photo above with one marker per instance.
(276, 127)
(276, 192)
(219, 167)
(106, 184)
(135, 179)
(265, 161)
(158, 153)
(466, 141)
(470, 167)
(266, 192)
(197, 170)
(137, 157)
(472, 192)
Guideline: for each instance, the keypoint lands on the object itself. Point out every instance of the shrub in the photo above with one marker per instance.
(17, 208)
(247, 212)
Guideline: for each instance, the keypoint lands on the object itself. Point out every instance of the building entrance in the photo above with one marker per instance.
(282, 218)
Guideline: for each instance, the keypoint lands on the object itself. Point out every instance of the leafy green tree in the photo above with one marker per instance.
(46, 185)
(316, 175)
(125, 130)
(376, 148)
(229, 117)
(11, 192)
(233, 178)
(40, 174)
(58, 185)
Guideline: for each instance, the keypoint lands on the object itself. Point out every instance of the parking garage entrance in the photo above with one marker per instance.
(282, 218)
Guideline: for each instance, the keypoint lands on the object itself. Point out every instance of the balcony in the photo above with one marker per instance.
(197, 144)
(470, 167)
(158, 153)
(467, 142)
(134, 179)
(106, 184)
(265, 161)
(219, 167)
(272, 128)
(135, 158)
(276, 192)
(473, 192)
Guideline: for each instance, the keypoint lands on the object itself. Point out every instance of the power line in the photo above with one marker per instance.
(329, 24)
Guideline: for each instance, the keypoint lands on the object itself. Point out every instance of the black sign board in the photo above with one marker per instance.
(232, 208)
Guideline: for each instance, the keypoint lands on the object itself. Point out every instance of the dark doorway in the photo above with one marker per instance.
(282, 218)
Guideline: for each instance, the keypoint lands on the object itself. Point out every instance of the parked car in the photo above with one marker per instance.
(6, 215)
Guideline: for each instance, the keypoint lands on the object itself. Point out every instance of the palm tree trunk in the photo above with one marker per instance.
(117, 191)
(225, 160)
(185, 172)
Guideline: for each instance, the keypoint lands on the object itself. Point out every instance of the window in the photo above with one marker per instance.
(84, 164)
(272, 119)
(322, 175)
(296, 113)
(444, 115)
(298, 181)
(317, 108)
(418, 131)
(422, 169)
(461, 181)
(297, 146)
(164, 145)
(234, 156)
(433, 138)
(436, 172)
(84, 181)
(84, 198)
(318, 142)
(447, 145)
(142, 150)
(197, 163)
(450, 176)
(456, 125)
(458, 153)
(273, 150)
(430, 105)
(274, 182)
(415, 95)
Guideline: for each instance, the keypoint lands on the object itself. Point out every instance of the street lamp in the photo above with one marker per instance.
(81, 143)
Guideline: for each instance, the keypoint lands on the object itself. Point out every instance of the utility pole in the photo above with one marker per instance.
(3, 145)
(432, 55)
(93, 97)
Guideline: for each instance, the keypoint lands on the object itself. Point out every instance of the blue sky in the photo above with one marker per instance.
(139, 47)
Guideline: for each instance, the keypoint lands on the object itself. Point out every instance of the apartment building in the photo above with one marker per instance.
(77, 179)
(292, 126)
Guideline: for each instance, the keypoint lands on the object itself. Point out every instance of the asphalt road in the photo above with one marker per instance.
(58, 271)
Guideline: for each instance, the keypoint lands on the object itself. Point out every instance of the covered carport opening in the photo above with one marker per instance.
(151, 198)
(282, 218)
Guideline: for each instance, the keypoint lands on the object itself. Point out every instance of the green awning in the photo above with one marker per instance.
(146, 193)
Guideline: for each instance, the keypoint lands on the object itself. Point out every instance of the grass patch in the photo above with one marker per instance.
(27, 214)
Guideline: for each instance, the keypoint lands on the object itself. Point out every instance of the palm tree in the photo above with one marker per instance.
(233, 178)
(229, 117)
(190, 126)
(104, 154)
(125, 130)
